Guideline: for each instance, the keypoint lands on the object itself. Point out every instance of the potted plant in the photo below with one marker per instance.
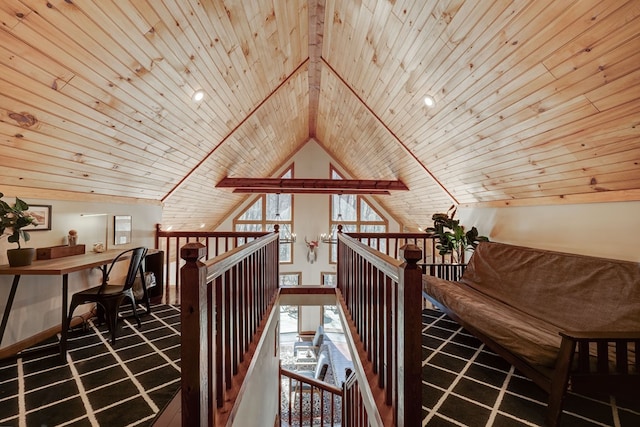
(13, 219)
(452, 237)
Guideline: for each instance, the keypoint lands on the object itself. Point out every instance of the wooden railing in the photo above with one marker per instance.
(353, 412)
(382, 297)
(308, 412)
(390, 244)
(444, 271)
(215, 242)
(224, 303)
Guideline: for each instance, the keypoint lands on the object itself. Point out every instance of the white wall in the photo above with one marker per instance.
(608, 230)
(311, 215)
(38, 302)
(258, 401)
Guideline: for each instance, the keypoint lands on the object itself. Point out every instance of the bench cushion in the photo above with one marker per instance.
(572, 292)
(534, 340)
(523, 297)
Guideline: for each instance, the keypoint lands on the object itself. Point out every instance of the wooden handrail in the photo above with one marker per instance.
(394, 241)
(215, 242)
(224, 305)
(315, 385)
(382, 297)
(353, 413)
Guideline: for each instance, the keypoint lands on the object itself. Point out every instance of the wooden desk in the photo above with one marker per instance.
(56, 267)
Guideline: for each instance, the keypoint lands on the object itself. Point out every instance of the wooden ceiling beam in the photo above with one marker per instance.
(309, 185)
(311, 191)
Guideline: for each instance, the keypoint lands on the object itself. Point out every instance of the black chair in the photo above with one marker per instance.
(108, 297)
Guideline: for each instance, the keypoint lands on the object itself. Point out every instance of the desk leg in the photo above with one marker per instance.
(65, 325)
(7, 309)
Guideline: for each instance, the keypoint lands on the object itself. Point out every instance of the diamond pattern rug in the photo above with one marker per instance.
(127, 384)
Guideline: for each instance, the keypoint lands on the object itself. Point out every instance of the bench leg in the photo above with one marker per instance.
(559, 382)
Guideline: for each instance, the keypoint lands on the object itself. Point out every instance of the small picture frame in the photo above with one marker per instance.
(121, 229)
(42, 214)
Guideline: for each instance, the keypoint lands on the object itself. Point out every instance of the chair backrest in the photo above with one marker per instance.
(318, 338)
(136, 255)
(322, 367)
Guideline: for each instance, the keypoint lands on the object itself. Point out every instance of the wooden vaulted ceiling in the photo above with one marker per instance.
(538, 101)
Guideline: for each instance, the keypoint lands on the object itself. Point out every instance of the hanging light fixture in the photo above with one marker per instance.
(286, 236)
(332, 237)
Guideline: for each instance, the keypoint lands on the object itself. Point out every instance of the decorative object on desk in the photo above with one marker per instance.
(73, 237)
(452, 238)
(121, 229)
(60, 251)
(14, 219)
(98, 247)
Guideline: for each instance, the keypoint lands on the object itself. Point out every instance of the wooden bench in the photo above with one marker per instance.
(555, 316)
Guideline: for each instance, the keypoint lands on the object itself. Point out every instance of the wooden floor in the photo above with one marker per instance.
(172, 415)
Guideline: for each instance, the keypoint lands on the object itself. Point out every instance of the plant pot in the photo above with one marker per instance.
(20, 257)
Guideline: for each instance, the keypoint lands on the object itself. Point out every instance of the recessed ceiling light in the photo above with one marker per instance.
(198, 95)
(429, 101)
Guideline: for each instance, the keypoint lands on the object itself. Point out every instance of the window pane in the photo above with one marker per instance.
(367, 213)
(344, 206)
(285, 207)
(289, 279)
(331, 319)
(285, 252)
(329, 279)
(349, 228)
(254, 212)
(288, 319)
(373, 228)
(279, 204)
(248, 227)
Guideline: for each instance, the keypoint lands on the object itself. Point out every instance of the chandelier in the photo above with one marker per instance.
(332, 236)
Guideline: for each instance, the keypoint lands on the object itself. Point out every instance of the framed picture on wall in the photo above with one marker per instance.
(42, 214)
(121, 229)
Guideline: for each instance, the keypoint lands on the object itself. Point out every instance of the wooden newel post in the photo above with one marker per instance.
(409, 369)
(193, 349)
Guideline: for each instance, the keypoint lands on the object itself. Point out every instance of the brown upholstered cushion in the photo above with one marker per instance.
(523, 297)
(570, 291)
(534, 340)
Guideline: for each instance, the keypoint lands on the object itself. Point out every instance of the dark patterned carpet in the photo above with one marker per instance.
(466, 384)
(101, 385)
